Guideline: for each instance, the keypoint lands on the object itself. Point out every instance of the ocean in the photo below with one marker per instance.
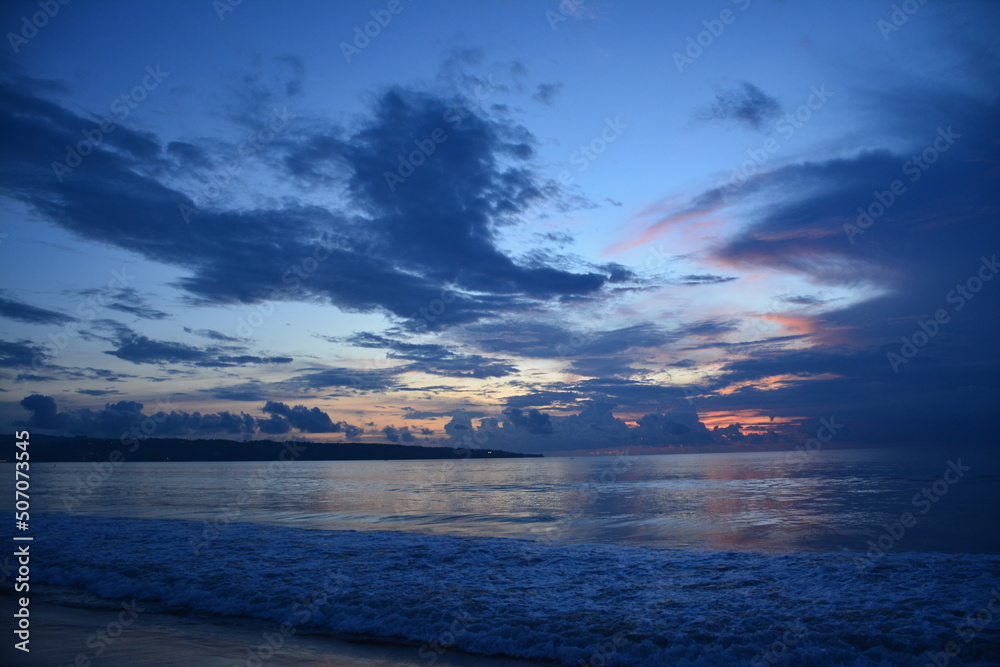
(831, 557)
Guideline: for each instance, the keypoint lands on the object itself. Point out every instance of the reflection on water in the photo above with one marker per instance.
(749, 501)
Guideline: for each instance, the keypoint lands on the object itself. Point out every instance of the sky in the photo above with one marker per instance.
(536, 226)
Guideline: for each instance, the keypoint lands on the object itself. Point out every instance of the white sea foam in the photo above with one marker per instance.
(600, 604)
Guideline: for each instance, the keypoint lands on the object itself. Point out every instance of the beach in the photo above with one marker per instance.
(61, 634)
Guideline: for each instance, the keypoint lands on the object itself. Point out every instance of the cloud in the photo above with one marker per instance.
(143, 350)
(24, 312)
(19, 354)
(126, 300)
(31, 377)
(402, 434)
(309, 420)
(188, 156)
(746, 104)
(212, 334)
(803, 300)
(252, 391)
(377, 380)
(227, 360)
(121, 418)
(543, 398)
(390, 249)
(140, 349)
(595, 427)
(545, 93)
(433, 358)
(532, 421)
(705, 279)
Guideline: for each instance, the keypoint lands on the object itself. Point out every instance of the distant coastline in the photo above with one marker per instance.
(80, 449)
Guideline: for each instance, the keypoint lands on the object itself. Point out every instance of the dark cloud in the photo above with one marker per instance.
(596, 427)
(560, 238)
(543, 398)
(746, 104)
(532, 421)
(24, 312)
(123, 299)
(411, 413)
(188, 156)
(435, 229)
(402, 434)
(345, 378)
(19, 354)
(128, 300)
(252, 391)
(226, 360)
(121, 418)
(98, 392)
(143, 350)
(212, 334)
(433, 358)
(139, 311)
(140, 349)
(31, 377)
(705, 279)
(275, 425)
(309, 420)
(803, 300)
(545, 93)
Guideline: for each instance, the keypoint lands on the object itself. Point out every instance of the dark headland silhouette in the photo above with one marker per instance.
(53, 448)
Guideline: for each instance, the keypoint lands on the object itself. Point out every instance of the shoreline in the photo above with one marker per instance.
(68, 635)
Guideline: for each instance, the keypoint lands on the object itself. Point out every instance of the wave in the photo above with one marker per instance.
(595, 604)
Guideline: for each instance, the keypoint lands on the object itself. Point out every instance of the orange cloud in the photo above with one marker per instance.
(662, 226)
(746, 418)
(774, 382)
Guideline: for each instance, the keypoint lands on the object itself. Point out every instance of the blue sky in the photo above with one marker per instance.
(627, 224)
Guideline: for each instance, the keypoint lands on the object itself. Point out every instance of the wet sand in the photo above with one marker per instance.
(60, 635)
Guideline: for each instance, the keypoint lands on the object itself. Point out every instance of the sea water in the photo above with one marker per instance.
(807, 558)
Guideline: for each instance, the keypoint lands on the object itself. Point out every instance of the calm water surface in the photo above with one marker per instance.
(827, 501)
